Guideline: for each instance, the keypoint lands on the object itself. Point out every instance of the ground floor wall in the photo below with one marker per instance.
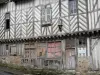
(95, 53)
(71, 54)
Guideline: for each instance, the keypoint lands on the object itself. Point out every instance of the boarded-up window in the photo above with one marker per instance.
(54, 50)
(41, 50)
(13, 50)
(30, 51)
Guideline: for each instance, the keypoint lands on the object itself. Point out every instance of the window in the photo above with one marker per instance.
(13, 50)
(82, 47)
(46, 14)
(54, 49)
(7, 47)
(72, 6)
(40, 54)
(82, 42)
(7, 21)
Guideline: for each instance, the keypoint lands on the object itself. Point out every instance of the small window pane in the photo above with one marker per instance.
(48, 10)
(7, 15)
(43, 11)
(72, 6)
(7, 47)
(7, 20)
(48, 18)
(40, 54)
(7, 24)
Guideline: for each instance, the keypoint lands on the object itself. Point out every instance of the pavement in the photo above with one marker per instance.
(6, 71)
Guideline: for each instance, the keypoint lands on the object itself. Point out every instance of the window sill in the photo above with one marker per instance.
(13, 55)
(46, 25)
(7, 29)
(73, 14)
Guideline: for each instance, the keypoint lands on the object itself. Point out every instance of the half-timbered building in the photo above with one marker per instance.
(50, 33)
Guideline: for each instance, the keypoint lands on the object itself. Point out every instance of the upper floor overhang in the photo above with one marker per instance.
(83, 34)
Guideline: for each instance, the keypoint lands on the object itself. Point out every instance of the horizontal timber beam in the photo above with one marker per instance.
(92, 33)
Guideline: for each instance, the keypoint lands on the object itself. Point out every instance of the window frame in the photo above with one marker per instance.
(13, 52)
(44, 16)
(72, 7)
(7, 21)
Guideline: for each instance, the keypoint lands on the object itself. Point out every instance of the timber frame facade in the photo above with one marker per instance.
(50, 33)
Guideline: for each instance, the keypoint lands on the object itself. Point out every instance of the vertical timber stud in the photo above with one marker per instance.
(76, 52)
(9, 25)
(77, 14)
(87, 14)
(60, 9)
(88, 39)
(88, 47)
(15, 23)
(69, 18)
(89, 51)
(60, 17)
(46, 53)
(63, 46)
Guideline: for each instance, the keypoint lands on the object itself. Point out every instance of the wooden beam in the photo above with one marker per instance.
(93, 33)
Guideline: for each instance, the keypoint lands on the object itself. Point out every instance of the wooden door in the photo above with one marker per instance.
(70, 59)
